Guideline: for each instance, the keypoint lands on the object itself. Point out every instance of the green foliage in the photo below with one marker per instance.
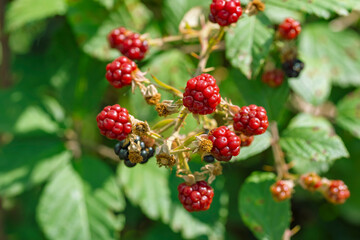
(266, 218)
(348, 115)
(86, 200)
(55, 181)
(312, 144)
(248, 44)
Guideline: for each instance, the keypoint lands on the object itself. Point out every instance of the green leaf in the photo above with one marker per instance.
(148, 186)
(21, 12)
(311, 144)
(174, 11)
(260, 144)
(86, 201)
(324, 46)
(320, 8)
(266, 218)
(348, 113)
(248, 43)
(29, 161)
(256, 92)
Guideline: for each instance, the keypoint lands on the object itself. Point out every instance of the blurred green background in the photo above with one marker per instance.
(55, 185)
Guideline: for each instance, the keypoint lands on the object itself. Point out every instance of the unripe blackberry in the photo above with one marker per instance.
(289, 29)
(226, 143)
(273, 78)
(281, 190)
(337, 192)
(117, 36)
(197, 197)
(114, 122)
(246, 140)
(293, 68)
(310, 181)
(225, 12)
(130, 44)
(251, 120)
(119, 73)
(201, 94)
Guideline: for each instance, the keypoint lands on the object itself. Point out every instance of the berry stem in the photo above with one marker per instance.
(280, 164)
(180, 120)
(169, 39)
(207, 46)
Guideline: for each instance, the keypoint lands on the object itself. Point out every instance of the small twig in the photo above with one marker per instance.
(327, 109)
(280, 164)
(207, 46)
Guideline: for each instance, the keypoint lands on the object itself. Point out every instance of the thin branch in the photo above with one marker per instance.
(280, 164)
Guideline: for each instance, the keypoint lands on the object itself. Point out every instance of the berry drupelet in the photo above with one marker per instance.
(226, 143)
(225, 12)
(119, 72)
(289, 29)
(293, 68)
(196, 197)
(114, 122)
(201, 94)
(251, 120)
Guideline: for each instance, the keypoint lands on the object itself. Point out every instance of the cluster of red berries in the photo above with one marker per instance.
(281, 190)
(114, 123)
(202, 97)
(225, 12)
(130, 44)
(196, 197)
(119, 72)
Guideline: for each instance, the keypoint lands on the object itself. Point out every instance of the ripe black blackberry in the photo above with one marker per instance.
(122, 150)
(292, 68)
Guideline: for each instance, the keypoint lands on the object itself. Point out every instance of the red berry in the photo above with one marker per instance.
(196, 197)
(119, 72)
(337, 192)
(114, 122)
(289, 29)
(246, 140)
(281, 190)
(202, 94)
(310, 181)
(117, 36)
(273, 78)
(226, 143)
(251, 120)
(129, 44)
(225, 12)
